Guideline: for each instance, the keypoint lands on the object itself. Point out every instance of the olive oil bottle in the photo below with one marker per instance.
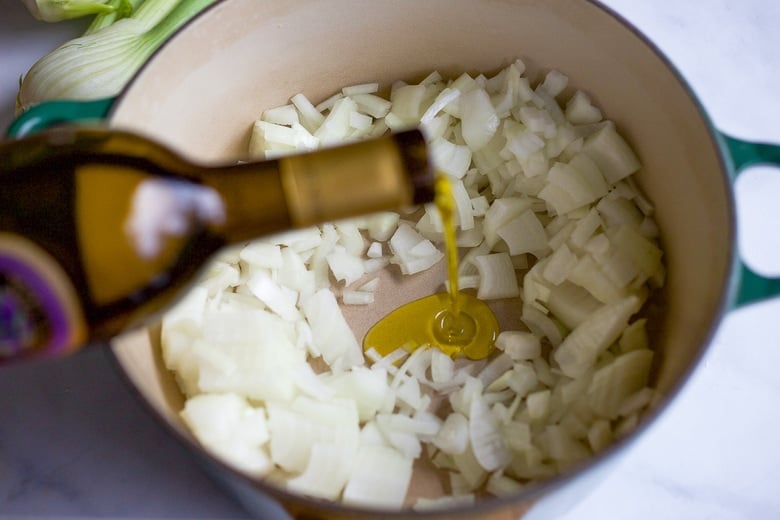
(101, 229)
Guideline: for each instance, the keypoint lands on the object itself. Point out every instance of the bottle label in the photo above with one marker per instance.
(39, 312)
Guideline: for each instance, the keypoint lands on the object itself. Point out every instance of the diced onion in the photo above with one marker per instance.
(489, 446)
(478, 118)
(277, 383)
(497, 277)
(580, 349)
(327, 471)
(385, 488)
(519, 345)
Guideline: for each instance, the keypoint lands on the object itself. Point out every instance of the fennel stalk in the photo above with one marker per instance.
(99, 63)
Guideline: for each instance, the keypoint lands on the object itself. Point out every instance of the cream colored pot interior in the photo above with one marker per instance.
(204, 90)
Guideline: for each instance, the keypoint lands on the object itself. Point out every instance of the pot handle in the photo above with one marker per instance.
(752, 286)
(51, 113)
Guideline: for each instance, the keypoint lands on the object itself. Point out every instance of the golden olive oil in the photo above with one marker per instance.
(456, 322)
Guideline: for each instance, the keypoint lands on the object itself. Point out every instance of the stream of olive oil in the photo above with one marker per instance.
(456, 322)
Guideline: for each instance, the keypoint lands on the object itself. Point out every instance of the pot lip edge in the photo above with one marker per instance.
(535, 490)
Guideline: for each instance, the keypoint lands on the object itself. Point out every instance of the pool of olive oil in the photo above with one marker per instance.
(456, 322)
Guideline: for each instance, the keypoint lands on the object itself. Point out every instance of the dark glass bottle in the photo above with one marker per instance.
(101, 229)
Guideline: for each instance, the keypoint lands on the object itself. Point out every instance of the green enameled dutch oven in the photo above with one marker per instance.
(202, 91)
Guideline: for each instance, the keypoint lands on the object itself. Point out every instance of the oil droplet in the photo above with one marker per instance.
(455, 322)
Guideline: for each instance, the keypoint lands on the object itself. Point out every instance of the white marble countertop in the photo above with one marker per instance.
(74, 442)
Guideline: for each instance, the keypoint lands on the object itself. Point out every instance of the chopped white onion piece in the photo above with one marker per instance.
(636, 402)
(445, 97)
(537, 121)
(479, 120)
(501, 485)
(599, 435)
(469, 390)
(450, 158)
(328, 103)
(374, 250)
(611, 154)
(364, 88)
(407, 102)
(442, 367)
(463, 205)
(283, 115)
(357, 297)
(495, 367)
(336, 126)
(453, 436)
(232, 429)
(469, 470)
(295, 430)
(403, 242)
(497, 277)
(360, 121)
(519, 345)
(524, 234)
(518, 435)
(500, 212)
(327, 471)
(372, 105)
(370, 286)
(579, 350)
(485, 437)
(278, 298)
(579, 110)
(311, 384)
(554, 82)
(310, 117)
(373, 265)
(543, 194)
(423, 248)
(262, 254)
(345, 267)
(541, 324)
(615, 382)
(330, 331)
(634, 337)
(523, 378)
(538, 404)
(385, 488)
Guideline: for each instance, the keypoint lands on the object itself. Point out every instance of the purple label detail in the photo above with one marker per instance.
(17, 329)
(32, 317)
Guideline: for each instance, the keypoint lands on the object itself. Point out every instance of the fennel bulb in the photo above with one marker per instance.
(100, 63)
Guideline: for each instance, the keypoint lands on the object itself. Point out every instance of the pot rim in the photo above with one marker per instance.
(534, 491)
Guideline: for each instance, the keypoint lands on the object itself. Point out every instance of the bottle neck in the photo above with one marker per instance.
(252, 197)
(385, 174)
